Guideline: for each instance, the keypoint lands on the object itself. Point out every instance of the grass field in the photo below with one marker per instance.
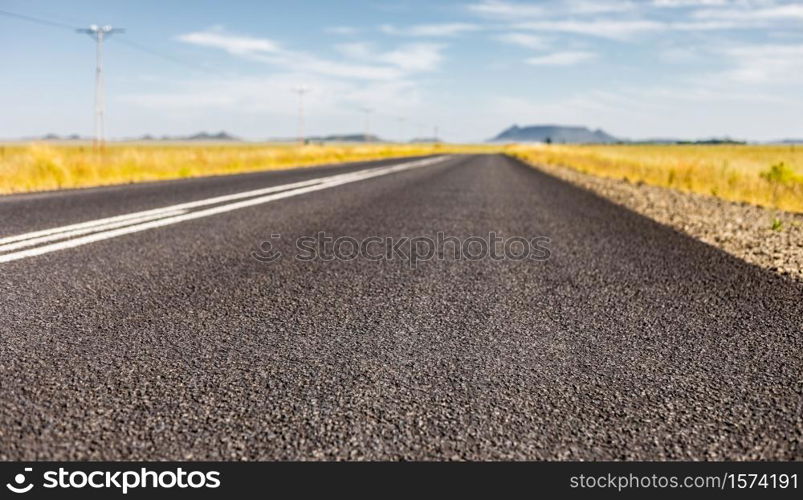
(45, 166)
(770, 176)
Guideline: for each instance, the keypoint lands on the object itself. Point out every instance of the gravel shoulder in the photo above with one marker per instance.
(744, 231)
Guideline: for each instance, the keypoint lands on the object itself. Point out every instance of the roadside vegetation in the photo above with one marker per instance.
(46, 166)
(769, 176)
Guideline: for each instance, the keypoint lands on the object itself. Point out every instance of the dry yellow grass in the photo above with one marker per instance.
(45, 166)
(770, 176)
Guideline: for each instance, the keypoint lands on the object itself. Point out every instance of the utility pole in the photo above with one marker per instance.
(367, 129)
(301, 90)
(435, 133)
(99, 33)
(401, 128)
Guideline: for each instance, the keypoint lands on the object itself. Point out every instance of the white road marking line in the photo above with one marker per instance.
(180, 206)
(171, 208)
(90, 229)
(319, 184)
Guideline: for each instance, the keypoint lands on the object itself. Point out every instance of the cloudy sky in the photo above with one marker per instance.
(638, 69)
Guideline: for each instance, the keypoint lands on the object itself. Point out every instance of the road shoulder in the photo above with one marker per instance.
(772, 239)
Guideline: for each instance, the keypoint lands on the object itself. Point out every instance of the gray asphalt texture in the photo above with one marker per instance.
(633, 341)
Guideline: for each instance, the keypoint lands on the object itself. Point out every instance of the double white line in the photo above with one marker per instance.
(75, 235)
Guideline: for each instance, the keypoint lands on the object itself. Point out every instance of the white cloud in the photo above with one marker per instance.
(700, 92)
(362, 61)
(624, 20)
(525, 40)
(742, 78)
(688, 3)
(628, 29)
(787, 12)
(315, 65)
(765, 64)
(265, 106)
(430, 30)
(355, 50)
(232, 44)
(501, 9)
(713, 25)
(605, 28)
(341, 30)
(411, 57)
(568, 58)
(506, 10)
(414, 57)
(599, 6)
(274, 94)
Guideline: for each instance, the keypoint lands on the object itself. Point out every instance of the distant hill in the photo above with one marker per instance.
(333, 138)
(555, 134)
(702, 142)
(714, 142)
(56, 137)
(200, 136)
(346, 138)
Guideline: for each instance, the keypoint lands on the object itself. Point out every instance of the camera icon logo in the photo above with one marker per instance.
(19, 485)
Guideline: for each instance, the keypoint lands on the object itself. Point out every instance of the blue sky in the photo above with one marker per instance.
(638, 69)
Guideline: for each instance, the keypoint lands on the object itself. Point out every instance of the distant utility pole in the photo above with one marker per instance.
(301, 90)
(99, 33)
(367, 129)
(401, 128)
(435, 133)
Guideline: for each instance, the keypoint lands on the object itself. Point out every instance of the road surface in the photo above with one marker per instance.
(172, 340)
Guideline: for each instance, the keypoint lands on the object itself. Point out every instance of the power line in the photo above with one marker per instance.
(99, 34)
(130, 43)
(167, 57)
(36, 20)
(99, 103)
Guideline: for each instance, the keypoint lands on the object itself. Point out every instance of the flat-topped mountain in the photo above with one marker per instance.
(554, 134)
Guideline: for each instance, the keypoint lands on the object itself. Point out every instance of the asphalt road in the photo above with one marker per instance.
(631, 341)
